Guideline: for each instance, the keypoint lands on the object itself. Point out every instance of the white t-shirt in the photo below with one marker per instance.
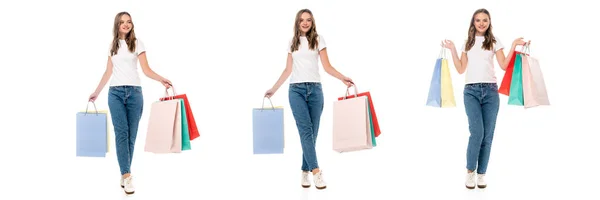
(125, 71)
(480, 67)
(305, 61)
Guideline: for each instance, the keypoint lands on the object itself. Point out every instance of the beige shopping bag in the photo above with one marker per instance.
(448, 100)
(351, 125)
(164, 127)
(534, 87)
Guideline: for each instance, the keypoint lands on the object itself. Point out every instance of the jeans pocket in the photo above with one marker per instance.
(137, 89)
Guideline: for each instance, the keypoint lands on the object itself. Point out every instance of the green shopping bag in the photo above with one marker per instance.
(185, 131)
(371, 122)
(516, 85)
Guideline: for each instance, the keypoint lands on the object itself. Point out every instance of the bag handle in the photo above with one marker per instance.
(88, 105)
(526, 49)
(442, 53)
(263, 104)
(348, 91)
(167, 97)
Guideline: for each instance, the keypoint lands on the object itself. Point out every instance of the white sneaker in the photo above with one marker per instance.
(305, 180)
(319, 182)
(122, 182)
(481, 181)
(128, 185)
(470, 182)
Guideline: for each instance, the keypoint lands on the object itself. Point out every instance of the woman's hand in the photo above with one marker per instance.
(166, 82)
(270, 92)
(520, 41)
(347, 81)
(93, 97)
(448, 44)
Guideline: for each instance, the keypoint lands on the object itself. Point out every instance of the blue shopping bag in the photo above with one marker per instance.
(91, 134)
(434, 98)
(267, 130)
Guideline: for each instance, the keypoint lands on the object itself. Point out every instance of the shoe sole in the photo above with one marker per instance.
(320, 188)
(305, 186)
(122, 186)
(470, 188)
(482, 186)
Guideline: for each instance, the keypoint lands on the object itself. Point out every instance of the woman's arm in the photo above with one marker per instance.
(285, 74)
(460, 63)
(503, 61)
(150, 73)
(146, 68)
(327, 65)
(105, 77)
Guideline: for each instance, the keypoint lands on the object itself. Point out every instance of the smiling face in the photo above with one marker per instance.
(125, 24)
(305, 22)
(481, 22)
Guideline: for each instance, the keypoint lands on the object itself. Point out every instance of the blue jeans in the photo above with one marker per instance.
(306, 101)
(126, 104)
(482, 103)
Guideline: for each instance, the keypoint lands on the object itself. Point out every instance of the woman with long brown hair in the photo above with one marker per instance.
(305, 91)
(125, 99)
(481, 97)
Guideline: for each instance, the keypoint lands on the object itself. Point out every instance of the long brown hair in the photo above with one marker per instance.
(489, 36)
(129, 38)
(311, 35)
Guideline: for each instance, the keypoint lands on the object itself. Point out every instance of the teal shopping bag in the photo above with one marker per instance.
(185, 131)
(371, 123)
(516, 85)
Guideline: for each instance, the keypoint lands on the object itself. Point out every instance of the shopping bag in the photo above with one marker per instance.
(372, 113)
(516, 85)
(371, 127)
(91, 133)
(164, 127)
(508, 75)
(185, 133)
(191, 122)
(448, 100)
(534, 87)
(267, 130)
(434, 99)
(351, 124)
(108, 127)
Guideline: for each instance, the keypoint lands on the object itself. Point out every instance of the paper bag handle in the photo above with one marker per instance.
(167, 97)
(348, 91)
(88, 105)
(263, 104)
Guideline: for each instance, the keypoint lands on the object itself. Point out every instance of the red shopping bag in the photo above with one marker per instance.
(192, 127)
(372, 108)
(506, 80)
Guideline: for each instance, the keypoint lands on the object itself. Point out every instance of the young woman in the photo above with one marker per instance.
(125, 99)
(481, 96)
(305, 92)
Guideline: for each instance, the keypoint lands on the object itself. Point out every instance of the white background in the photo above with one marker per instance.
(225, 54)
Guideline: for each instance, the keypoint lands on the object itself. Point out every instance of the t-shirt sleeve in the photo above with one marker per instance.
(289, 46)
(139, 47)
(462, 46)
(498, 45)
(322, 43)
(110, 48)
